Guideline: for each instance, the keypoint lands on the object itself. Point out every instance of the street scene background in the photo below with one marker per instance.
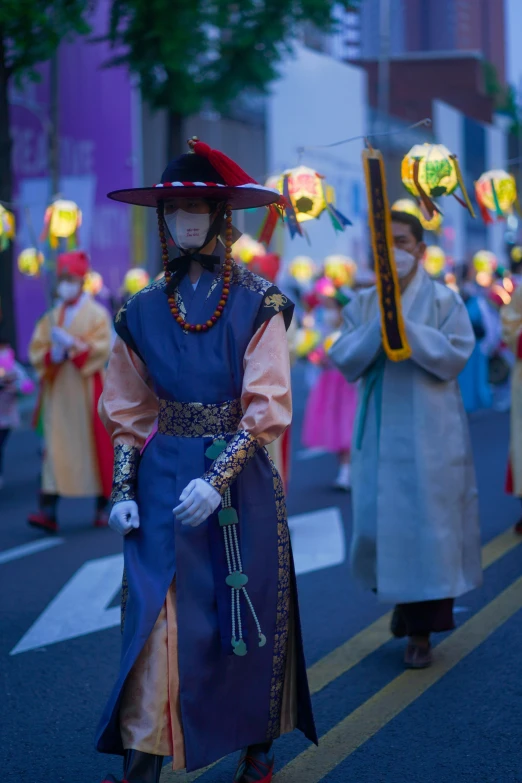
(394, 72)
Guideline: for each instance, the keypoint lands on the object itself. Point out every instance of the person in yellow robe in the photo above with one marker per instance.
(511, 317)
(69, 350)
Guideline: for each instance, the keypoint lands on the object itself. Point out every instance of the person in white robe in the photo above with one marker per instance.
(416, 538)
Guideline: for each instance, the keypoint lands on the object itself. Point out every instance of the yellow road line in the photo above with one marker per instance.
(363, 644)
(367, 641)
(339, 743)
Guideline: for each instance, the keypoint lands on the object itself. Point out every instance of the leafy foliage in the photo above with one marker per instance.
(504, 97)
(30, 30)
(193, 53)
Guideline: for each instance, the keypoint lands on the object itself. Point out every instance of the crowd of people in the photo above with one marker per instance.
(176, 422)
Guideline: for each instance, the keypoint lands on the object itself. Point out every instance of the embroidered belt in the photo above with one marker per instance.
(196, 420)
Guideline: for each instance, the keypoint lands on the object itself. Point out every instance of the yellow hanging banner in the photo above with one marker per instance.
(393, 332)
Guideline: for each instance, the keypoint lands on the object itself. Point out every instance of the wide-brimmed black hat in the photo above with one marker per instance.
(202, 173)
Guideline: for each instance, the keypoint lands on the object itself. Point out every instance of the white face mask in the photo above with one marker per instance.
(404, 262)
(67, 290)
(188, 230)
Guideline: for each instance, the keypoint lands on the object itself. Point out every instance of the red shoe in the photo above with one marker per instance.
(101, 519)
(254, 767)
(42, 521)
(518, 527)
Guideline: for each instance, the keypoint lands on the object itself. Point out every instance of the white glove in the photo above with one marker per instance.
(124, 517)
(58, 353)
(198, 501)
(61, 337)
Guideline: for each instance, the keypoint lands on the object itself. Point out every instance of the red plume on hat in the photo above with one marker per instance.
(75, 262)
(232, 174)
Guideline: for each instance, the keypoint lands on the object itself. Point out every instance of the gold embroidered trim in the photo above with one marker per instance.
(126, 460)
(227, 467)
(124, 598)
(283, 610)
(277, 301)
(196, 420)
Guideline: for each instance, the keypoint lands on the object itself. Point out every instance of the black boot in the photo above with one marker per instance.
(256, 764)
(140, 767)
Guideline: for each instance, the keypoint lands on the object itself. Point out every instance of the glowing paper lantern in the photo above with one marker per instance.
(496, 192)
(485, 261)
(434, 260)
(62, 221)
(306, 341)
(430, 171)
(93, 283)
(307, 197)
(411, 208)
(30, 261)
(7, 227)
(246, 248)
(516, 254)
(325, 287)
(340, 269)
(135, 280)
(266, 266)
(302, 269)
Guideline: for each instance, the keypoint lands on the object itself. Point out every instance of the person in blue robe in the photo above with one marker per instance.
(473, 380)
(197, 385)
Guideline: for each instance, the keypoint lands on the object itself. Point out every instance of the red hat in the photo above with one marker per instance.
(75, 262)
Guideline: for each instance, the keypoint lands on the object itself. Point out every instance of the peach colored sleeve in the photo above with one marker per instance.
(266, 398)
(128, 406)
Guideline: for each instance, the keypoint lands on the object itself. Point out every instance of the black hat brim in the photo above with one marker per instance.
(240, 197)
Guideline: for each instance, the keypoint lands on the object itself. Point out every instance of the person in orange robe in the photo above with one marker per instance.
(69, 350)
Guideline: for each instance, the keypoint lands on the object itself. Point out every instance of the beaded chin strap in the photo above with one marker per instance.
(236, 579)
(227, 275)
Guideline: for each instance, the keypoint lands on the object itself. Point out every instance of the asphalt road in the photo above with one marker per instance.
(459, 721)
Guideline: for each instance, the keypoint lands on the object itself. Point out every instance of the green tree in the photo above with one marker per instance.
(191, 54)
(30, 33)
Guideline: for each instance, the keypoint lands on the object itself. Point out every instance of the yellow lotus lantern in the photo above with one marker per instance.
(430, 171)
(411, 208)
(93, 283)
(434, 260)
(7, 227)
(340, 269)
(135, 280)
(246, 248)
(516, 254)
(302, 269)
(496, 192)
(307, 196)
(30, 261)
(306, 341)
(485, 261)
(62, 221)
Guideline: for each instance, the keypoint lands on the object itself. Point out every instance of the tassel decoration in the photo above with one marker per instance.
(428, 204)
(291, 218)
(462, 186)
(232, 174)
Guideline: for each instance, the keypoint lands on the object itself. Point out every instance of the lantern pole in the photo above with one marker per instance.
(384, 66)
(519, 178)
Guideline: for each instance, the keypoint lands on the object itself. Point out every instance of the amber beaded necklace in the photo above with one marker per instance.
(227, 276)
